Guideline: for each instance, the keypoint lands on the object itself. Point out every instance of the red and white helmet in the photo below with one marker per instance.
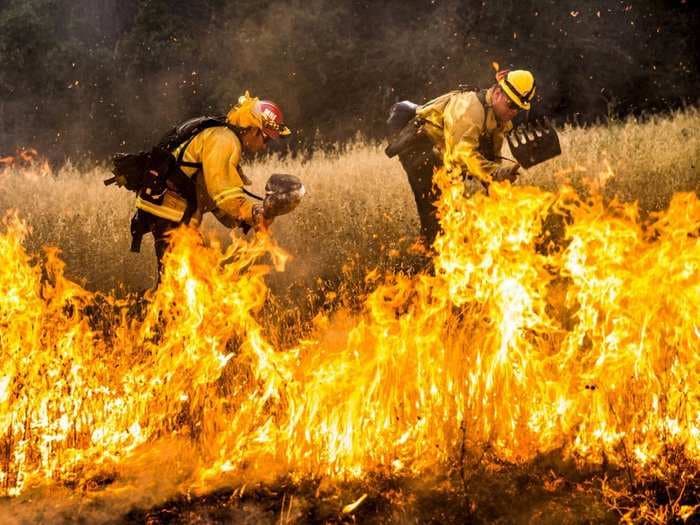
(272, 119)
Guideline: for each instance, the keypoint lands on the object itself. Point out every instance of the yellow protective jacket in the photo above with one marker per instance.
(219, 186)
(457, 123)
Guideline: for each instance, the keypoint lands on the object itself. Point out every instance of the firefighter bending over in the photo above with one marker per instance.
(195, 169)
(462, 129)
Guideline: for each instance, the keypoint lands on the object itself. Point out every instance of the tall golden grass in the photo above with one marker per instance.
(359, 211)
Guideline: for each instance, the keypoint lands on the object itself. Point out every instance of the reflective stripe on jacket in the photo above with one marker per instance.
(220, 185)
(172, 206)
(219, 188)
(456, 123)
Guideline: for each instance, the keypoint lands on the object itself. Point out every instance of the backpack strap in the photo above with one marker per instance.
(481, 95)
(213, 123)
(251, 194)
(184, 183)
(181, 154)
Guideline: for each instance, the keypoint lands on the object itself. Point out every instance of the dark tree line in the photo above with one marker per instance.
(90, 77)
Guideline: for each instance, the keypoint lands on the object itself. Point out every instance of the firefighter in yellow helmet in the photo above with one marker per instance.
(463, 129)
(200, 173)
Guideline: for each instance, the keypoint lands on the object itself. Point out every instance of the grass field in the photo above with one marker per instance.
(359, 215)
(358, 209)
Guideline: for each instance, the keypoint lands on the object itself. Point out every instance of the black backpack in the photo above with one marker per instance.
(151, 169)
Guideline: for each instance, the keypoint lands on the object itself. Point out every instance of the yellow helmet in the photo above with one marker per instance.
(519, 85)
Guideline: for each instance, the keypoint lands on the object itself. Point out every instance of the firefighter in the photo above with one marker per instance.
(462, 130)
(203, 174)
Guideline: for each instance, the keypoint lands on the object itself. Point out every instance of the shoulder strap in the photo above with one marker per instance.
(181, 155)
(481, 95)
(251, 194)
(187, 131)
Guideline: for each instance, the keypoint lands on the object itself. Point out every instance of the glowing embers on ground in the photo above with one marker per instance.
(587, 343)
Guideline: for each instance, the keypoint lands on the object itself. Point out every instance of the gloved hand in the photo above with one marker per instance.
(509, 173)
(283, 193)
(260, 222)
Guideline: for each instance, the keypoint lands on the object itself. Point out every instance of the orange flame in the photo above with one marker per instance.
(25, 158)
(589, 347)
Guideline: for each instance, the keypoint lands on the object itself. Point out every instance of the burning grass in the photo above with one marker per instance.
(358, 210)
(354, 375)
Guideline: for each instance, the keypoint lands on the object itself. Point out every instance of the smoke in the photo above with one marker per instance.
(92, 78)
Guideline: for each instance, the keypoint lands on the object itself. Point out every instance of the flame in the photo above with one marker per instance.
(588, 345)
(26, 158)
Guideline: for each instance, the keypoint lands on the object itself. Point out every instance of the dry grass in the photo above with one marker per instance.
(359, 210)
(637, 161)
(358, 213)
